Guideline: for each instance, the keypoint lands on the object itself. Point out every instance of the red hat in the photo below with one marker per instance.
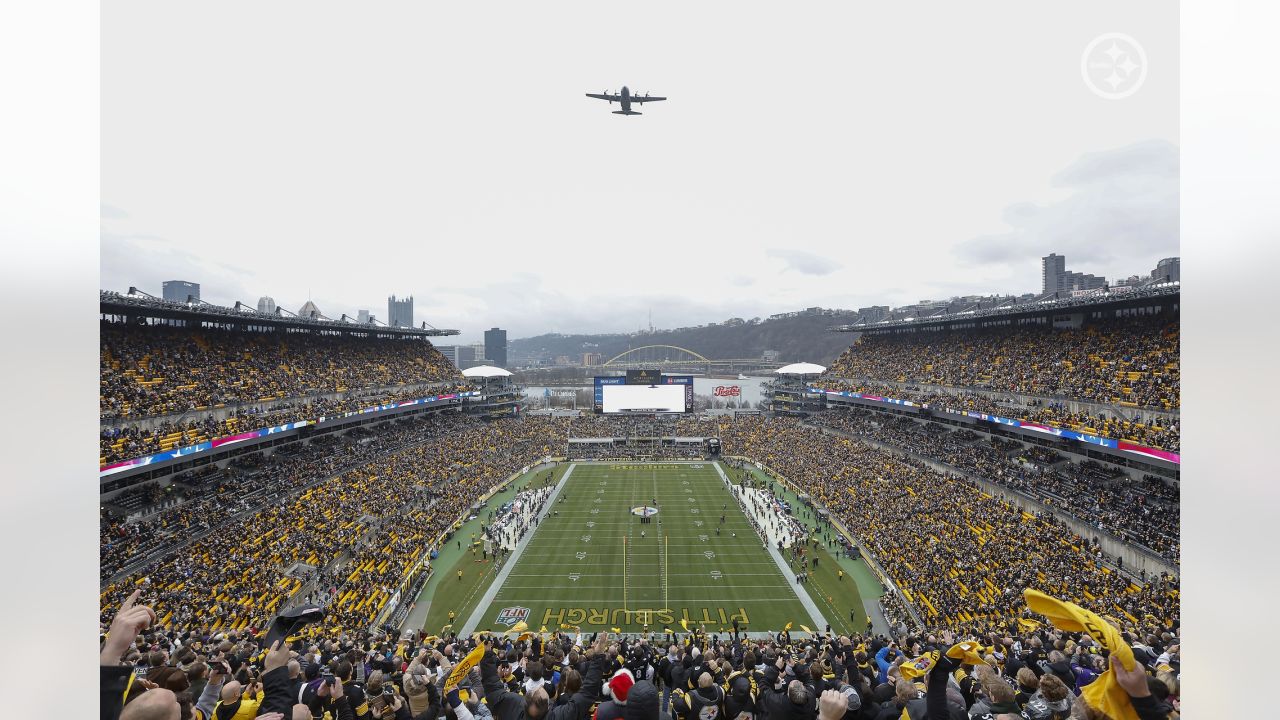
(620, 684)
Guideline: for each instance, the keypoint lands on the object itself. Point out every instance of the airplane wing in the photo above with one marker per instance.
(612, 98)
(644, 99)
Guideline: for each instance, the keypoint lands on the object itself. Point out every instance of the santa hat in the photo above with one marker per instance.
(619, 685)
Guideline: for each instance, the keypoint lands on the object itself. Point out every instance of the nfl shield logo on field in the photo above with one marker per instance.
(511, 615)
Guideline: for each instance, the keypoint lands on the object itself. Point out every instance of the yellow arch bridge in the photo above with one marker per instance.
(677, 358)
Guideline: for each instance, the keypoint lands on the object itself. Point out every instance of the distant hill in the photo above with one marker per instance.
(798, 337)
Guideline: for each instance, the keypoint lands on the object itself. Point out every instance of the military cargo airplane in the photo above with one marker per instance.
(625, 98)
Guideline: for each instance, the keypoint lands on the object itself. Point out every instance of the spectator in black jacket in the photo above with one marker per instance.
(704, 703)
(506, 705)
(642, 702)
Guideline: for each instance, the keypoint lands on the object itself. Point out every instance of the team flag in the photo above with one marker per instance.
(1105, 693)
(462, 668)
(918, 667)
(966, 652)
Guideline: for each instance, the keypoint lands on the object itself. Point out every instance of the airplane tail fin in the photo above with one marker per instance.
(626, 112)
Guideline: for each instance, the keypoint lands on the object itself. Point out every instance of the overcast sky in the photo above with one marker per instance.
(834, 154)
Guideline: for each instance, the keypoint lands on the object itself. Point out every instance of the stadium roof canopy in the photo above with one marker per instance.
(485, 371)
(801, 369)
(138, 305)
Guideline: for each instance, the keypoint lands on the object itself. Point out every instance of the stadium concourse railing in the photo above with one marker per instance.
(1110, 443)
(867, 558)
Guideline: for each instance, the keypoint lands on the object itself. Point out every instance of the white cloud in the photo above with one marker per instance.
(1120, 216)
(805, 263)
(496, 194)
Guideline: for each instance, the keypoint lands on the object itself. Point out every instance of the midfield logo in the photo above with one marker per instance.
(511, 615)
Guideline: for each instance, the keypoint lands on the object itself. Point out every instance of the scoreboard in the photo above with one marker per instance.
(642, 392)
(644, 377)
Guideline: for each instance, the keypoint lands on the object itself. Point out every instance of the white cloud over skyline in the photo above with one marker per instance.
(804, 159)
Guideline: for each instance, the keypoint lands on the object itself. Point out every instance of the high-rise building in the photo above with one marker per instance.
(495, 346)
(591, 359)
(1057, 278)
(459, 355)
(267, 305)
(1053, 266)
(362, 317)
(310, 311)
(1167, 270)
(178, 290)
(400, 312)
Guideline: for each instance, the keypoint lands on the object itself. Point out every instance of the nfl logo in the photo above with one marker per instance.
(511, 615)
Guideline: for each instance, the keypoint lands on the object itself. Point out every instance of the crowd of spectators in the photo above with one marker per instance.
(377, 521)
(1038, 674)
(624, 450)
(348, 520)
(154, 370)
(509, 524)
(1142, 513)
(1128, 360)
(769, 517)
(210, 496)
(958, 554)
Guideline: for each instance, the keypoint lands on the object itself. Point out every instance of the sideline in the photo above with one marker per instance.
(485, 601)
(818, 620)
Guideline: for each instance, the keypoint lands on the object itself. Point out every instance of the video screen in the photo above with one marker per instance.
(638, 399)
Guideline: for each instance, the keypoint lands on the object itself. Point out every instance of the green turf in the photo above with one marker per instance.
(589, 566)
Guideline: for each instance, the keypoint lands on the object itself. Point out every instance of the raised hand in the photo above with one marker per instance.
(1133, 681)
(277, 656)
(125, 626)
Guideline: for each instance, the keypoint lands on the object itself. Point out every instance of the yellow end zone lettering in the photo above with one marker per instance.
(652, 617)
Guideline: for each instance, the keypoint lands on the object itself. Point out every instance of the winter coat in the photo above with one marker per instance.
(642, 702)
(506, 705)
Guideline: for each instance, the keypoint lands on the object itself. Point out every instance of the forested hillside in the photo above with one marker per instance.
(803, 336)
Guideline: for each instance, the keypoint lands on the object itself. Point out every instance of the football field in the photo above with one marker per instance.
(592, 563)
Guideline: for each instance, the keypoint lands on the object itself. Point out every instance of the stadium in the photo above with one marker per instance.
(967, 514)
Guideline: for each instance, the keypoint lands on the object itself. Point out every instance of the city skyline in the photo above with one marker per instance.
(1166, 269)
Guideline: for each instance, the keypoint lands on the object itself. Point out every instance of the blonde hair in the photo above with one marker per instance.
(998, 690)
(904, 692)
(1170, 681)
(1028, 679)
